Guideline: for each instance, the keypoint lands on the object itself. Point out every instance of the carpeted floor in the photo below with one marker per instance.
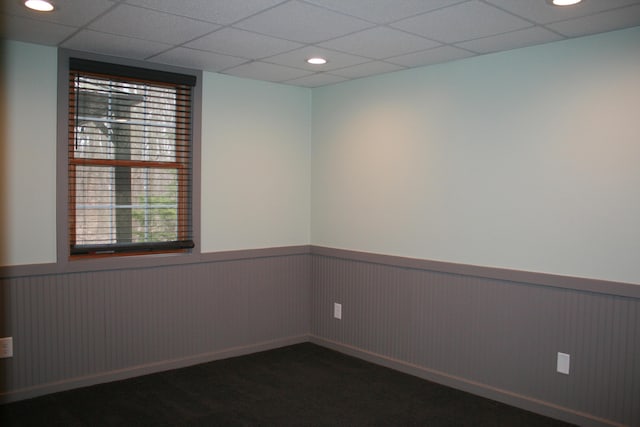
(300, 385)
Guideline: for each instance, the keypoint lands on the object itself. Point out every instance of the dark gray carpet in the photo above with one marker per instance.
(300, 385)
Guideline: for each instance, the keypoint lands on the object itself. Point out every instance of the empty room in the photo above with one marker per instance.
(320, 212)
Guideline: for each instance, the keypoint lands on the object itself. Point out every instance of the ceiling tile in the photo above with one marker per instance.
(431, 56)
(263, 71)
(68, 12)
(379, 43)
(542, 13)
(383, 11)
(232, 41)
(223, 12)
(367, 69)
(304, 23)
(315, 80)
(111, 44)
(606, 21)
(198, 59)
(462, 22)
(298, 59)
(27, 30)
(515, 39)
(151, 25)
(270, 39)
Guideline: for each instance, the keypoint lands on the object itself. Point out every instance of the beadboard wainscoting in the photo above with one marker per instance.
(76, 329)
(492, 332)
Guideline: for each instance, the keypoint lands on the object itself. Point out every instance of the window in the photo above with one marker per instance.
(130, 160)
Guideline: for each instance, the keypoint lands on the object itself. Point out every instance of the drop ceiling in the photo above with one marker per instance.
(271, 39)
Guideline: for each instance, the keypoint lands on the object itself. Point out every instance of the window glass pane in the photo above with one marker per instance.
(155, 201)
(93, 141)
(126, 205)
(122, 120)
(95, 205)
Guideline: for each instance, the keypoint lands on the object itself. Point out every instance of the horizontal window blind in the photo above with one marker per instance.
(130, 161)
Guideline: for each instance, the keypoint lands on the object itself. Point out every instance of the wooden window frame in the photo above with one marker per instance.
(188, 201)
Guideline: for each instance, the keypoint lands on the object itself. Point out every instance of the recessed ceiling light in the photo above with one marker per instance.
(563, 2)
(316, 60)
(39, 5)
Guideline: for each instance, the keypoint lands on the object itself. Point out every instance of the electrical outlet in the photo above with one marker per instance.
(562, 365)
(6, 347)
(337, 310)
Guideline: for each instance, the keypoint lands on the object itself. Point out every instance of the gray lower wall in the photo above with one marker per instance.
(493, 332)
(495, 337)
(75, 329)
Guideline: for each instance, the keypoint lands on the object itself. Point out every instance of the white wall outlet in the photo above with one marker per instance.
(6, 347)
(337, 310)
(563, 363)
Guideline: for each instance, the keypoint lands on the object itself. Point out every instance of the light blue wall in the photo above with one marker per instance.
(255, 160)
(526, 159)
(255, 164)
(28, 154)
